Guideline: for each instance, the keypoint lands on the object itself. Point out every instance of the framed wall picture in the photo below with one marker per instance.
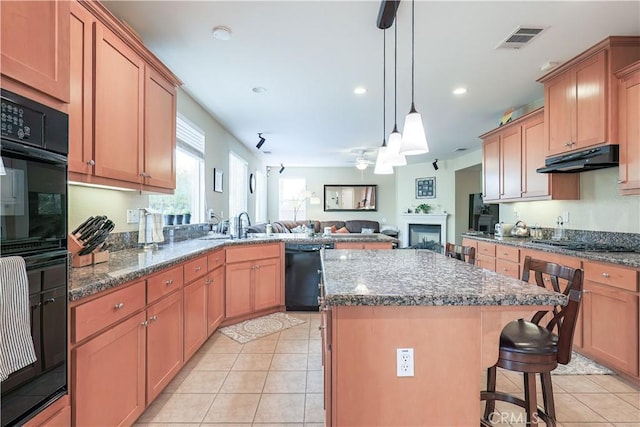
(426, 188)
(217, 180)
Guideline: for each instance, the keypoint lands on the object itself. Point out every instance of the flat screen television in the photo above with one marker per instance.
(482, 217)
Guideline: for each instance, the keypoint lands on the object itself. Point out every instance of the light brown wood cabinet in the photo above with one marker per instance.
(122, 111)
(35, 45)
(511, 154)
(629, 129)
(363, 245)
(486, 256)
(253, 279)
(215, 297)
(610, 318)
(581, 108)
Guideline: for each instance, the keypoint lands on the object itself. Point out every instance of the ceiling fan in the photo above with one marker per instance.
(362, 161)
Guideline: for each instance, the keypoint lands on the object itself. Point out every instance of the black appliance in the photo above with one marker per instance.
(302, 275)
(482, 217)
(33, 225)
(606, 156)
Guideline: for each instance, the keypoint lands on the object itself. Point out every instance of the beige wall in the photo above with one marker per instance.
(318, 177)
(89, 201)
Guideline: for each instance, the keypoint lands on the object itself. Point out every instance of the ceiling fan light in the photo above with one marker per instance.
(361, 164)
(393, 157)
(414, 140)
(381, 167)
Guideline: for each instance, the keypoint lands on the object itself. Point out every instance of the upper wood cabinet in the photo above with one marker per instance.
(122, 113)
(511, 155)
(629, 129)
(581, 107)
(35, 45)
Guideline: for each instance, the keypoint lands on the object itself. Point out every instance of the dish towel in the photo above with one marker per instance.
(150, 228)
(156, 228)
(16, 343)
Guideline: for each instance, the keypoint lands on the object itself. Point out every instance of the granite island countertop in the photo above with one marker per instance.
(131, 264)
(629, 259)
(419, 277)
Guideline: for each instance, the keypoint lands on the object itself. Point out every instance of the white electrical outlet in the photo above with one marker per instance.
(133, 216)
(404, 365)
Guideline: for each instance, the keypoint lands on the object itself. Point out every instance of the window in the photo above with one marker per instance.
(189, 194)
(292, 199)
(261, 197)
(238, 185)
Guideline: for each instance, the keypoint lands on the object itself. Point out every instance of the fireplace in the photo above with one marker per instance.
(425, 236)
(435, 231)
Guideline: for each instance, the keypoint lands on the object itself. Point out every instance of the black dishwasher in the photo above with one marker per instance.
(302, 263)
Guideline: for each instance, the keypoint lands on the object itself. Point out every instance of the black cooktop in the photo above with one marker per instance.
(576, 245)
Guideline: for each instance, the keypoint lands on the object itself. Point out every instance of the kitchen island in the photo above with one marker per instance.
(449, 312)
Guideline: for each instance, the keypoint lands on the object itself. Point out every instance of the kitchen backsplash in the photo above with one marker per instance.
(177, 233)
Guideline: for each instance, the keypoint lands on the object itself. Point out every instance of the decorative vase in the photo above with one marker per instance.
(168, 219)
(179, 219)
(187, 218)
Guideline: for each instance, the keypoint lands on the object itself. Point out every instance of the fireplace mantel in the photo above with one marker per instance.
(427, 219)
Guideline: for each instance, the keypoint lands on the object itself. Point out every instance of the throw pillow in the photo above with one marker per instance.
(343, 230)
(334, 229)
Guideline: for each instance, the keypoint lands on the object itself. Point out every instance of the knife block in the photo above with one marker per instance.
(74, 246)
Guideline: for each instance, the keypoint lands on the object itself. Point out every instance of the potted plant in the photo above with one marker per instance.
(423, 208)
(186, 217)
(169, 217)
(179, 218)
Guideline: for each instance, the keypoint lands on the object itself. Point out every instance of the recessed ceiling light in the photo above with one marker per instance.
(221, 33)
(258, 89)
(460, 91)
(360, 90)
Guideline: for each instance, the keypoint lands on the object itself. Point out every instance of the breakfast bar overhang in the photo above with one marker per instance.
(449, 312)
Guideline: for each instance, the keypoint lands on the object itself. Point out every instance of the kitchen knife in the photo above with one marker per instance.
(81, 226)
(87, 226)
(92, 228)
(96, 241)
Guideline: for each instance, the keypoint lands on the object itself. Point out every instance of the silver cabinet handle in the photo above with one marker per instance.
(119, 306)
(208, 282)
(49, 301)
(198, 268)
(145, 323)
(153, 318)
(605, 275)
(319, 271)
(168, 282)
(91, 162)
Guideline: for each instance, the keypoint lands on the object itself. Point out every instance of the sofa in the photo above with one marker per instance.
(285, 226)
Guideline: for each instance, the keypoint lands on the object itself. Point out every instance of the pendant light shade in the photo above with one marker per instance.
(414, 140)
(382, 165)
(394, 158)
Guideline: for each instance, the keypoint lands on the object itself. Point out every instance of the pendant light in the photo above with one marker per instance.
(394, 158)
(382, 168)
(414, 140)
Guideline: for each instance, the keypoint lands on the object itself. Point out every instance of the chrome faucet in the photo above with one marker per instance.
(239, 233)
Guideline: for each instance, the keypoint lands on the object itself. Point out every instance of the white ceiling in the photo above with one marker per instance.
(310, 55)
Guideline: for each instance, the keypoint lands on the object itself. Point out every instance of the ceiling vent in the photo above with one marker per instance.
(457, 150)
(521, 37)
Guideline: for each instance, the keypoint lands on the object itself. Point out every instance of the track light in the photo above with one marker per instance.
(435, 164)
(281, 168)
(261, 141)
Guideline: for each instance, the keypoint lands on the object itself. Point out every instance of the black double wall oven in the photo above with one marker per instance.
(33, 225)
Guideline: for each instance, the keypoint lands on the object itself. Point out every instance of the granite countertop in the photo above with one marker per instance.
(630, 259)
(132, 264)
(419, 277)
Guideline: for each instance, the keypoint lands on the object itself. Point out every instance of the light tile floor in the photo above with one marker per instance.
(276, 381)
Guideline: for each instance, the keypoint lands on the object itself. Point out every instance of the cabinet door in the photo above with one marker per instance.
(164, 343)
(629, 129)
(533, 184)
(610, 329)
(511, 163)
(508, 268)
(108, 376)
(491, 168)
(215, 300)
(81, 93)
(159, 131)
(195, 316)
(591, 102)
(35, 45)
(325, 327)
(119, 83)
(238, 288)
(560, 97)
(267, 291)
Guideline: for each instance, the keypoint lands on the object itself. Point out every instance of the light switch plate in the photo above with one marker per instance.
(133, 216)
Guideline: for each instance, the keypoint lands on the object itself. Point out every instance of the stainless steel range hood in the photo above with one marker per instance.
(602, 157)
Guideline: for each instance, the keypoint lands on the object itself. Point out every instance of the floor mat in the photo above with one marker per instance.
(580, 365)
(250, 330)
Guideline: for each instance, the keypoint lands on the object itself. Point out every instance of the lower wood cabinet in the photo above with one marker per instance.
(326, 336)
(108, 377)
(195, 316)
(215, 299)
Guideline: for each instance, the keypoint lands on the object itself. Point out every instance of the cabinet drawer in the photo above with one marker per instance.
(508, 253)
(508, 268)
(215, 259)
(611, 275)
(164, 283)
(252, 252)
(486, 262)
(348, 245)
(488, 249)
(104, 311)
(195, 268)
